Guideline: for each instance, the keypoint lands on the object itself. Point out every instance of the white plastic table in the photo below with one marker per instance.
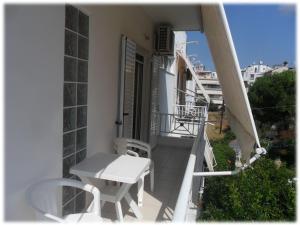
(120, 168)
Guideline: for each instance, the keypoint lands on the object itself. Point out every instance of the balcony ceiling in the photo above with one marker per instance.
(181, 17)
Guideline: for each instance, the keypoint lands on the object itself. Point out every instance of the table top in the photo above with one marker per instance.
(107, 166)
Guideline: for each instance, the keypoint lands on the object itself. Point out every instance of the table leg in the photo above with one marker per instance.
(133, 206)
(119, 211)
(140, 191)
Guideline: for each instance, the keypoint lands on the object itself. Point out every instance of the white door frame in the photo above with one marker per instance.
(146, 101)
(119, 121)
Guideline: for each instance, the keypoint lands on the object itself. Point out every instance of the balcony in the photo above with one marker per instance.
(39, 154)
(175, 160)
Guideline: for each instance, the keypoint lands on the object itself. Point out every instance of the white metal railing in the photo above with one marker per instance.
(189, 109)
(195, 162)
(212, 88)
(178, 125)
(184, 122)
(209, 154)
(219, 97)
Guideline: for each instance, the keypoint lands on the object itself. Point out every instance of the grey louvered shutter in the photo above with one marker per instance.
(129, 75)
(155, 120)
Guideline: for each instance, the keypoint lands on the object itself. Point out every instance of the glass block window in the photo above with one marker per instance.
(76, 54)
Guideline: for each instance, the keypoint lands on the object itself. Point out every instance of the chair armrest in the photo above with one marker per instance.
(65, 182)
(140, 145)
(132, 153)
(55, 218)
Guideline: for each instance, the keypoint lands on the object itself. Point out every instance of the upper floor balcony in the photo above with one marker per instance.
(210, 91)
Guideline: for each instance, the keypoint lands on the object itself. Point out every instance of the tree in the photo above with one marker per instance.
(272, 98)
(264, 193)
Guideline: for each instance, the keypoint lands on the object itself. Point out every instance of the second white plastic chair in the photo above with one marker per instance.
(131, 147)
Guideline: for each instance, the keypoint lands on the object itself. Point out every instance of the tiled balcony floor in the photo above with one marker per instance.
(169, 168)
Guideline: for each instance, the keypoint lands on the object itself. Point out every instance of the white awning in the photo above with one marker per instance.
(227, 66)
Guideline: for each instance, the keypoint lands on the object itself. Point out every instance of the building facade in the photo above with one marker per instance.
(254, 71)
(211, 85)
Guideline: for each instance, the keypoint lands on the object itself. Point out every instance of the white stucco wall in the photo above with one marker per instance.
(34, 49)
(180, 42)
(190, 89)
(169, 74)
(34, 41)
(180, 39)
(167, 97)
(107, 24)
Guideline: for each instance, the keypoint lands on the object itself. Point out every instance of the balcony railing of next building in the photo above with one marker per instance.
(212, 88)
(184, 122)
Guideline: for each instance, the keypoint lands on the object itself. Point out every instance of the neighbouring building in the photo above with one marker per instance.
(254, 71)
(278, 69)
(211, 85)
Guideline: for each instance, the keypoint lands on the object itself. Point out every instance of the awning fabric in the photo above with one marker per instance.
(227, 66)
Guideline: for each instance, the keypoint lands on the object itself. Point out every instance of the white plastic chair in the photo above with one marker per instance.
(129, 146)
(43, 198)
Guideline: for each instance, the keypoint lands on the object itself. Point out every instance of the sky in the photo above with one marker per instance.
(259, 32)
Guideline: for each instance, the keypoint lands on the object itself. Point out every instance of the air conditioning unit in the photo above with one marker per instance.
(164, 42)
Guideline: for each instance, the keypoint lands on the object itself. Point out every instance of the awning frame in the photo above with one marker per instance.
(224, 55)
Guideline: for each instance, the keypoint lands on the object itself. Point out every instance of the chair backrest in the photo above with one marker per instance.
(43, 197)
(122, 145)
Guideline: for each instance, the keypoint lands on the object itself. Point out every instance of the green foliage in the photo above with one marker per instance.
(285, 150)
(225, 156)
(276, 96)
(261, 194)
(272, 98)
(265, 143)
(229, 136)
